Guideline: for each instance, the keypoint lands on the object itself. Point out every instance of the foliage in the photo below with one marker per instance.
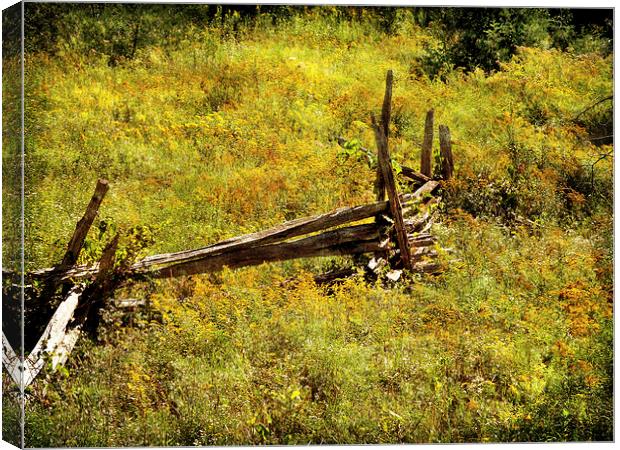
(493, 350)
(229, 125)
(483, 38)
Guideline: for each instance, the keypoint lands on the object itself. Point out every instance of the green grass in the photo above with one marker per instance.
(226, 135)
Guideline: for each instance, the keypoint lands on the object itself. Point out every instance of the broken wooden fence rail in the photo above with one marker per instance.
(384, 162)
(220, 251)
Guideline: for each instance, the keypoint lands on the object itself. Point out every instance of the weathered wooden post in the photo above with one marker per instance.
(427, 145)
(386, 112)
(77, 239)
(445, 146)
(385, 166)
(82, 227)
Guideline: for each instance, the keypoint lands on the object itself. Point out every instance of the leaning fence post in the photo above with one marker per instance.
(384, 165)
(82, 227)
(396, 210)
(385, 127)
(427, 145)
(445, 146)
(77, 239)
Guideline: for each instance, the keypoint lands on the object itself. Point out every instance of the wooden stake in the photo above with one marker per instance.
(427, 145)
(386, 110)
(385, 125)
(445, 145)
(82, 227)
(77, 240)
(395, 207)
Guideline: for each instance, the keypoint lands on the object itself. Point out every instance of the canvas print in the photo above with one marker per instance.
(259, 224)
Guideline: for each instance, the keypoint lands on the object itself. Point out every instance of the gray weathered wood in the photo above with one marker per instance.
(445, 146)
(83, 226)
(287, 230)
(385, 164)
(427, 145)
(417, 177)
(427, 267)
(386, 112)
(129, 303)
(344, 241)
(426, 189)
(57, 341)
(252, 241)
(11, 361)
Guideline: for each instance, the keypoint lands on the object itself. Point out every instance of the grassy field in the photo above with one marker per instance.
(231, 132)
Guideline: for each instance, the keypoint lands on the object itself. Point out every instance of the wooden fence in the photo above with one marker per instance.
(395, 237)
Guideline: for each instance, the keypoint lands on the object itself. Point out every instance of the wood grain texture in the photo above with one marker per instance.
(83, 226)
(445, 146)
(11, 361)
(57, 341)
(344, 241)
(253, 241)
(395, 207)
(427, 144)
(386, 113)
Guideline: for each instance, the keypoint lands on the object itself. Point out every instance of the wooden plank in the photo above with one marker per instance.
(281, 232)
(413, 175)
(445, 146)
(426, 251)
(344, 241)
(427, 267)
(395, 206)
(287, 230)
(425, 189)
(11, 361)
(55, 341)
(427, 145)
(129, 303)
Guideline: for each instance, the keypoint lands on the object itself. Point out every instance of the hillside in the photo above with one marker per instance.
(231, 128)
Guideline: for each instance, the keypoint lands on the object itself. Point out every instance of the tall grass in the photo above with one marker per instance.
(230, 132)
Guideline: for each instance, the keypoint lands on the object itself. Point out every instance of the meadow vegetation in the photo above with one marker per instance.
(230, 126)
